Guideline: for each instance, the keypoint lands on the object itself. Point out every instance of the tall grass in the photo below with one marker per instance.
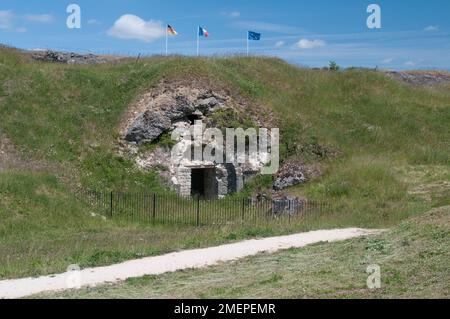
(45, 228)
(68, 116)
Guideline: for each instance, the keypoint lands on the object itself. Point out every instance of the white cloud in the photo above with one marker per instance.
(130, 26)
(5, 19)
(387, 61)
(410, 63)
(8, 20)
(39, 18)
(233, 14)
(431, 28)
(279, 44)
(310, 44)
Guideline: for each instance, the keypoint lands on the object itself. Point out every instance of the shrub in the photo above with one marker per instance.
(333, 66)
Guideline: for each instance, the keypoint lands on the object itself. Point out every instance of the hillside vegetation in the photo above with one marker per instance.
(413, 260)
(389, 144)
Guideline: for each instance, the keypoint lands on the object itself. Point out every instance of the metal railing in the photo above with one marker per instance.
(173, 209)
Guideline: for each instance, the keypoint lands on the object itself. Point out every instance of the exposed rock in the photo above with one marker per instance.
(67, 57)
(148, 127)
(294, 173)
(173, 107)
(287, 205)
(163, 111)
(421, 77)
(290, 174)
(288, 181)
(207, 105)
(158, 158)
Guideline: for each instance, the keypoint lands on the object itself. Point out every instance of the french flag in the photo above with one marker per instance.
(203, 32)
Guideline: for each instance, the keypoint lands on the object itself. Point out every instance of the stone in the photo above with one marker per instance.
(168, 108)
(67, 57)
(290, 174)
(420, 78)
(148, 127)
(207, 104)
(286, 205)
(180, 109)
(288, 181)
(157, 159)
(174, 108)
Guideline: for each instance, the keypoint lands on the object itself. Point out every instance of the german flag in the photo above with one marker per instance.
(171, 30)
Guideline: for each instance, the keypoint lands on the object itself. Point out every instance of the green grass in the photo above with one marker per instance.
(413, 259)
(69, 114)
(370, 134)
(45, 229)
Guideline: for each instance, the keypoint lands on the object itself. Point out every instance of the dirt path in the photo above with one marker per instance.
(197, 258)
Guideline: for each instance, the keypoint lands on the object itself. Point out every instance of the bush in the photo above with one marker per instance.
(333, 66)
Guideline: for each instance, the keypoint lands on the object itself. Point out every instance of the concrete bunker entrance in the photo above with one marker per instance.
(204, 183)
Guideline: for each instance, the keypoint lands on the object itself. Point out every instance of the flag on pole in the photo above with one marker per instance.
(254, 36)
(202, 32)
(171, 30)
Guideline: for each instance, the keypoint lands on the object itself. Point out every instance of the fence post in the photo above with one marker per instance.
(154, 209)
(290, 211)
(243, 209)
(198, 210)
(111, 204)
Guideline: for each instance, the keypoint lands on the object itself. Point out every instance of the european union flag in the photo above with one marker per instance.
(254, 36)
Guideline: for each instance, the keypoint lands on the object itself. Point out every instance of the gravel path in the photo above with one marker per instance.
(197, 258)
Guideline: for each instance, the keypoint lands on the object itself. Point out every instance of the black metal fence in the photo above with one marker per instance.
(173, 209)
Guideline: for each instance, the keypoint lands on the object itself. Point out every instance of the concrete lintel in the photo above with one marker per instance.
(200, 166)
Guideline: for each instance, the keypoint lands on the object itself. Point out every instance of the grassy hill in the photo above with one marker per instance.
(413, 260)
(60, 123)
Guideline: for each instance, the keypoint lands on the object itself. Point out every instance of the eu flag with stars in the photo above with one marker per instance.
(254, 36)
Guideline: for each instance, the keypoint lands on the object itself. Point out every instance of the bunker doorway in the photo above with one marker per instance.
(203, 183)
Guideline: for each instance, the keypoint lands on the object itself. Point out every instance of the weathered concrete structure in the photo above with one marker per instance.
(207, 181)
(178, 110)
(204, 177)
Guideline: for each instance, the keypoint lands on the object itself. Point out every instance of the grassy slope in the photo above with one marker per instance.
(413, 258)
(66, 117)
(44, 229)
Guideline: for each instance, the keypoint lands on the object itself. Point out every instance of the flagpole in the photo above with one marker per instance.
(198, 41)
(248, 44)
(167, 41)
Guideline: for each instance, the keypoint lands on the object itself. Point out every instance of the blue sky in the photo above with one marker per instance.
(414, 34)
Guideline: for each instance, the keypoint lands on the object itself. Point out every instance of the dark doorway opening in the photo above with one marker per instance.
(192, 118)
(203, 183)
(232, 178)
